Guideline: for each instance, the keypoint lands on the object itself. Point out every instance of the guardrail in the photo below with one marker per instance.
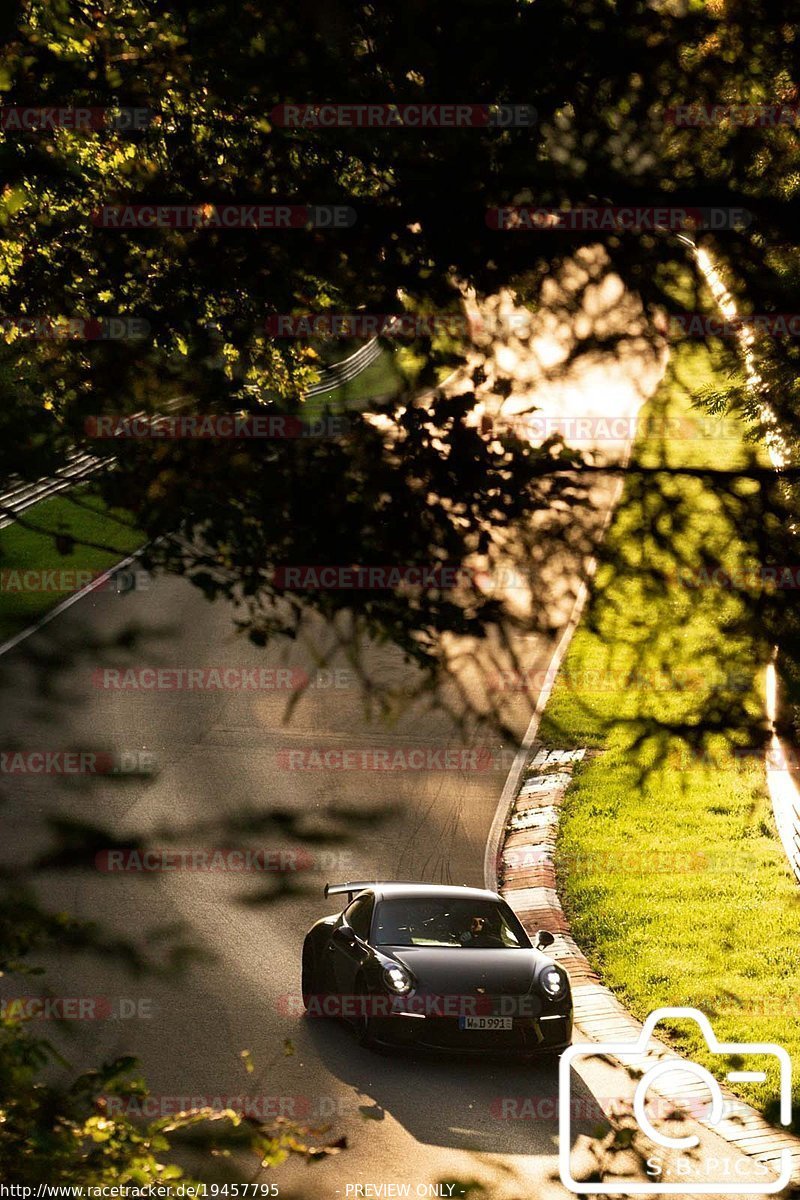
(21, 495)
(348, 368)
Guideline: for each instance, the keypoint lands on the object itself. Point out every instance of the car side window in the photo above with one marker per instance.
(359, 916)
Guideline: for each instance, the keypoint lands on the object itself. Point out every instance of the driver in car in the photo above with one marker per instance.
(480, 935)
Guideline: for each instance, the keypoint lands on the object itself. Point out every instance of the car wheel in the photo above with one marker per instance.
(309, 984)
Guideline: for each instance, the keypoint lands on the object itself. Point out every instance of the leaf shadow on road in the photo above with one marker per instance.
(77, 945)
(486, 1105)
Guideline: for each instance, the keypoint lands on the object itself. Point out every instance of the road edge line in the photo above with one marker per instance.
(63, 605)
(509, 793)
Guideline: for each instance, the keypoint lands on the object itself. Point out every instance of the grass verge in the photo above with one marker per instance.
(380, 379)
(670, 867)
(75, 515)
(82, 517)
(394, 373)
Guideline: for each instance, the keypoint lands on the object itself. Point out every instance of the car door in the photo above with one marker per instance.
(348, 948)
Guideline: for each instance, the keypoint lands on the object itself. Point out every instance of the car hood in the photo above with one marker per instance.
(462, 971)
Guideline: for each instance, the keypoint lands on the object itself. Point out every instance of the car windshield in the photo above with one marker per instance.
(457, 923)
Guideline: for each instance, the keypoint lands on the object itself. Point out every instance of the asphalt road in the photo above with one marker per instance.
(230, 771)
(222, 766)
(217, 754)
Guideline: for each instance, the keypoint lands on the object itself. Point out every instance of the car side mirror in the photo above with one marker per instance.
(345, 935)
(544, 938)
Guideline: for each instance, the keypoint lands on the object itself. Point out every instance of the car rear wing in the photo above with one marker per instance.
(348, 889)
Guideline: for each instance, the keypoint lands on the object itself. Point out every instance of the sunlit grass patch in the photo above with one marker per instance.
(670, 866)
(23, 550)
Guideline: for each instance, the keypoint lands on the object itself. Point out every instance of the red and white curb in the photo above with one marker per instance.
(526, 876)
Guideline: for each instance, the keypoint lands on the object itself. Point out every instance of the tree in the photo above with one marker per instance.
(425, 486)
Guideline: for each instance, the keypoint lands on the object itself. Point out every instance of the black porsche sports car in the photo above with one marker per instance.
(447, 968)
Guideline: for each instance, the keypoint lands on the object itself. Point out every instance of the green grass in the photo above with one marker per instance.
(381, 378)
(389, 376)
(670, 867)
(22, 549)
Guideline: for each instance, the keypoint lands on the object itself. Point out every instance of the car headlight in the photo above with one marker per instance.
(397, 979)
(554, 981)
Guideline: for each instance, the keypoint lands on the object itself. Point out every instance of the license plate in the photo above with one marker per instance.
(485, 1023)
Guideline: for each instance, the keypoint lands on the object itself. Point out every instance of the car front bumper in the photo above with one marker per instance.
(548, 1032)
